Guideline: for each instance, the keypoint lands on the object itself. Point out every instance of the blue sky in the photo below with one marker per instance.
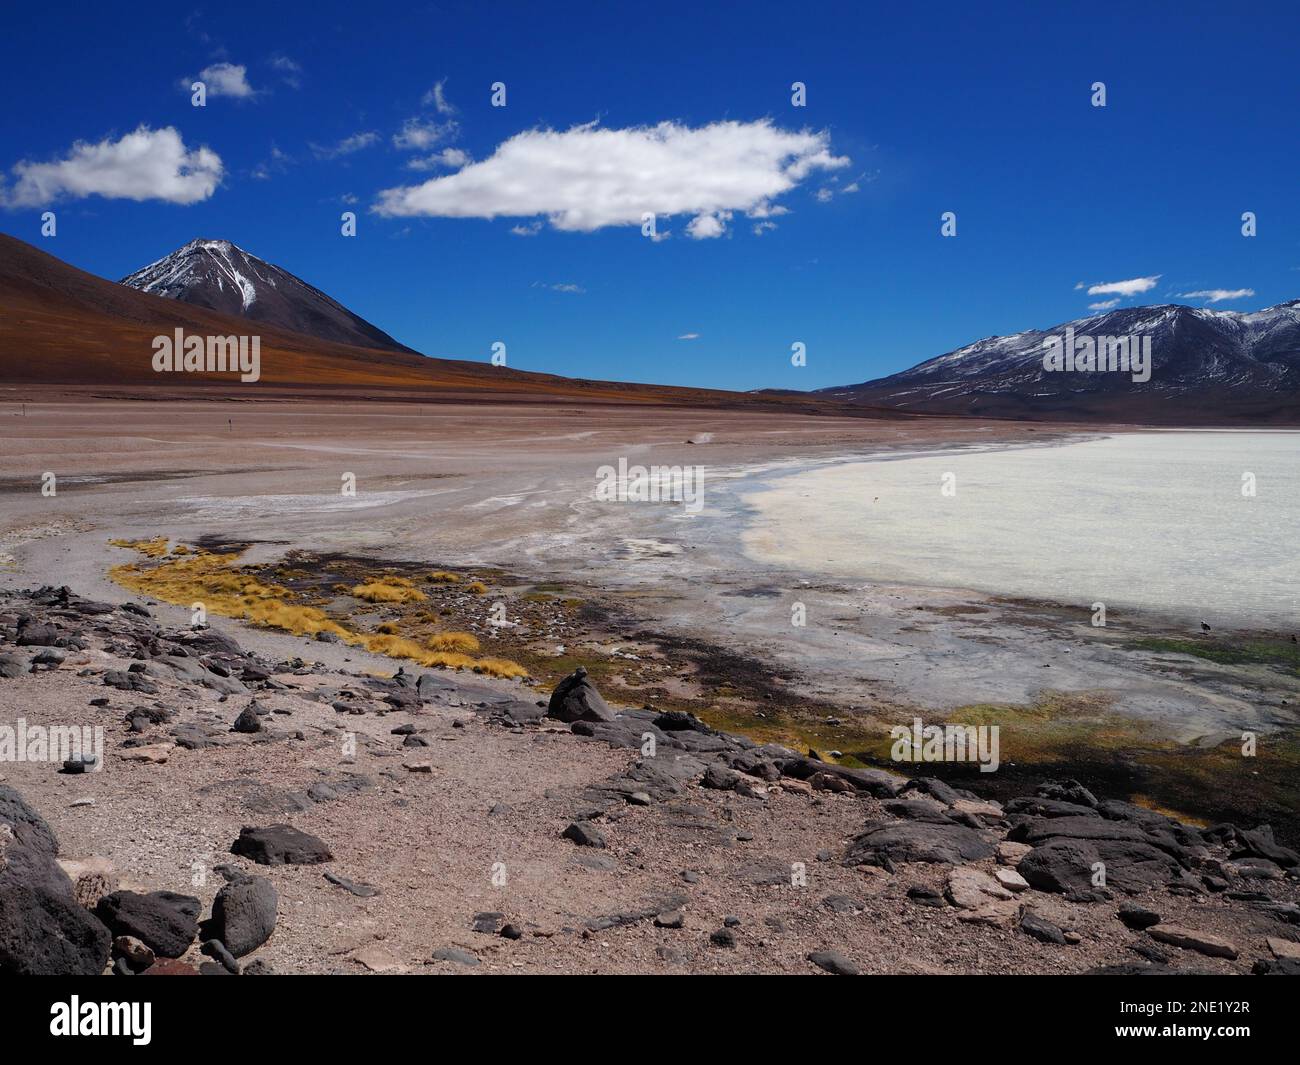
(984, 112)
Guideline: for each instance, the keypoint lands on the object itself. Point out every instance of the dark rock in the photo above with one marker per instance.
(680, 721)
(14, 666)
(43, 929)
(1278, 967)
(244, 914)
(1040, 928)
(250, 720)
(575, 698)
(676, 919)
(1067, 791)
(923, 895)
(364, 891)
(720, 778)
(1064, 866)
(216, 950)
(834, 962)
(1137, 917)
(280, 845)
(875, 782)
(723, 937)
(584, 834)
(164, 921)
(488, 923)
(917, 841)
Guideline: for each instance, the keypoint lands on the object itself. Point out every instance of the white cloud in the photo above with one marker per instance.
(824, 195)
(420, 136)
(708, 226)
(145, 165)
(1132, 287)
(564, 286)
(289, 69)
(763, 227)
(347, 145)
(1217, 295)
(689, 336)
(1104, 305)
(447, 159)
(529, 230)
(437, 98)
(224, 79)
(587, 178)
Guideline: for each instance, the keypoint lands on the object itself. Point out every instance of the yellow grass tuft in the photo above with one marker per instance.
(154, 548)
(442, 576)
(476, 588)
(452, 641)
(389, 590)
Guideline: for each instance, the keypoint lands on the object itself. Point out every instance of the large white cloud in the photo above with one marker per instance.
(587, 178)
(149, 164)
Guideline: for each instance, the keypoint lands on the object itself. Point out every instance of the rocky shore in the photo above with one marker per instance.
(252, 816)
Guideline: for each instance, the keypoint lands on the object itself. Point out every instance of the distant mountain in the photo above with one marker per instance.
(67, 331)
(223, 277)
(1206, 367)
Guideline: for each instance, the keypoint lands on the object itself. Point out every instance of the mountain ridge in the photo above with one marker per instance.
(1206, 364)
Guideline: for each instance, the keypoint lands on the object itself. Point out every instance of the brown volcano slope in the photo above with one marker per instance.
(60, 326)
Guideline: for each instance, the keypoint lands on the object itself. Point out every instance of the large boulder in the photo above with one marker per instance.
(917, 841)
(576, 699)
(280, 845)
(44, 931)
(244, 913)
(165, 922)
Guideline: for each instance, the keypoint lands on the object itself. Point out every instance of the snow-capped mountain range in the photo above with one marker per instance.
(1204, 362)
(223, 277)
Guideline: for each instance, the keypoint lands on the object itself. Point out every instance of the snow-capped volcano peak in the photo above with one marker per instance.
(220, 275)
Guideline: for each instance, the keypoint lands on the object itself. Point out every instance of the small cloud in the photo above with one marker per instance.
(447, 159)
(572, 289)
(763, 227)
(1132, 287)
(708, 226)
(223, 79)
(529, 230)
(1104, 305)
(149, 164)
(689, 336)
(278, 163)
(417, 135)
(347, 199)
(347, 146)
(824, 195)
(437, 99)
(290, 70)
(1217, 295)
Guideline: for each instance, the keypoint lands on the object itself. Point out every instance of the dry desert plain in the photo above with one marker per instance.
(664, 611)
